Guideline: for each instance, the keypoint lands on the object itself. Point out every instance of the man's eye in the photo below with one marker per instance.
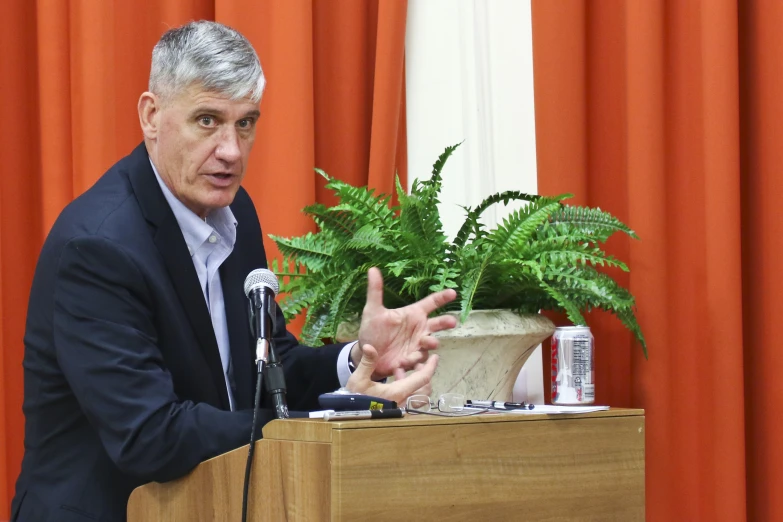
(246, 123)
(206, 121)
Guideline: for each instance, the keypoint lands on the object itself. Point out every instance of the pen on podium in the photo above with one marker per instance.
(500, 405)
(390, 413)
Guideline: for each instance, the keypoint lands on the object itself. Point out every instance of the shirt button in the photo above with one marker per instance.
(213, 239)
(190, 250)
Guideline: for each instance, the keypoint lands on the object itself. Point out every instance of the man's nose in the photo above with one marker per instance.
(228, 146)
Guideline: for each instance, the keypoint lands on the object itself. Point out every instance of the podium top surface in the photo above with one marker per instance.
(319, 430)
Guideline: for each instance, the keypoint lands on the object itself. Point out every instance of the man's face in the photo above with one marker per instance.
(201, 146)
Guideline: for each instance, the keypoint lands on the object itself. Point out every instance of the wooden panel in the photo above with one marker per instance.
(306, 484)
(586, 469)
(290, 481)
(489, 467)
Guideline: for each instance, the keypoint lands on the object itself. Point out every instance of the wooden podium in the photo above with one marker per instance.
(486, 467)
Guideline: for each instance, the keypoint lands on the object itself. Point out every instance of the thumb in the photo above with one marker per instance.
(367, 364)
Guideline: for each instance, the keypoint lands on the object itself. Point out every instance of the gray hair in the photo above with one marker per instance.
(207, 54)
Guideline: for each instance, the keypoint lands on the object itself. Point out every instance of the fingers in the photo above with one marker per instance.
(426, 389)
(374, 289)
(428, 342)
(414, 358)
(414, 381)
(442, 322)
(434, 301)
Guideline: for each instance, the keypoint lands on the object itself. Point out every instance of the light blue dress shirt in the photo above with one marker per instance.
(210, 242)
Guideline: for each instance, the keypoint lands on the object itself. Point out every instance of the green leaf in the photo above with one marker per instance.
(592, 220)
(368, 239)
(311, 250)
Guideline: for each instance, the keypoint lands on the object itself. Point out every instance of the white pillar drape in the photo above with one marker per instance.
(469, 78)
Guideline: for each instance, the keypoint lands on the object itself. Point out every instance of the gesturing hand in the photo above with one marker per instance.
(402, 336)
(414, 383)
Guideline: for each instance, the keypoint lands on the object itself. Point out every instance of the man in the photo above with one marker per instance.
(139, 362)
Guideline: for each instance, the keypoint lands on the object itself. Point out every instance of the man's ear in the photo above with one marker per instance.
(149, 112)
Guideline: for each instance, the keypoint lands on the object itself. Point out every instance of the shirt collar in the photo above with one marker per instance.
(195, 230)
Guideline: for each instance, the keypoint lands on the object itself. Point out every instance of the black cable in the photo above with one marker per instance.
(249, 465)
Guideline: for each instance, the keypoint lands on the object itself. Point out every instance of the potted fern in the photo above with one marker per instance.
(542, 257)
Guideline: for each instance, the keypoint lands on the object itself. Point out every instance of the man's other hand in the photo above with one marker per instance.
(418, 382)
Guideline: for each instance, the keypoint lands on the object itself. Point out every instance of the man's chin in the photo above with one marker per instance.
(222, 202)
(218, 197)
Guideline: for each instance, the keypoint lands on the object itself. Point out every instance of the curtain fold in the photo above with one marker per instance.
(667, 114)
(73, 71)
(761, 157)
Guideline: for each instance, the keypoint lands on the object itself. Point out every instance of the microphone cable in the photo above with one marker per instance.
(250, 451)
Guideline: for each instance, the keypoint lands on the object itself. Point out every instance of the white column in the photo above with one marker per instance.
(469, 70)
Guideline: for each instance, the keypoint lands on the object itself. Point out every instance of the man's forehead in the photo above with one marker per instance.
(196, 96)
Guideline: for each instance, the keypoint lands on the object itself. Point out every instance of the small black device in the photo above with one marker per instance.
(344, 400)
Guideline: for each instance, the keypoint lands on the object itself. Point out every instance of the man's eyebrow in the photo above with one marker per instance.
(205, 110)
(255, 113)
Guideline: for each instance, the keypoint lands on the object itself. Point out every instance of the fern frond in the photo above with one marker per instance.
(446, 279)
(628, 319)
(361, 201)
(570, 308)
(316, 323)
(520, 226)
(368, 239)
(592, 220)
(434, 183)
(602, 287)
(561, 252)
(420, 228)
(400, 190)
(311, 250)
(333, 221)
(472, 223)
(564, 233)
(295, 303)
(470, 286)
(341, 299)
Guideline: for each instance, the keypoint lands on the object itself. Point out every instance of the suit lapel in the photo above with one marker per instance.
(174, 250)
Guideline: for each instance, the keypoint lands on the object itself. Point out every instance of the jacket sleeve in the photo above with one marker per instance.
(308, 371)
(106, 346)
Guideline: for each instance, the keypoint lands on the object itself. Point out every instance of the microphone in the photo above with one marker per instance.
(261, 286)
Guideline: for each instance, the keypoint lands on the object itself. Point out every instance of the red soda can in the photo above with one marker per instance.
(573, 377)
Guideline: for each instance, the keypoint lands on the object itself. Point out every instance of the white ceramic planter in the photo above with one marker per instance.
(482, 357)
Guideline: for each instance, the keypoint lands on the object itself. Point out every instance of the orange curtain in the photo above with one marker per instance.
(669, 114)
(72, 71)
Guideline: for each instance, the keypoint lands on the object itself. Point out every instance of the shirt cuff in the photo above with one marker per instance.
(343, 371)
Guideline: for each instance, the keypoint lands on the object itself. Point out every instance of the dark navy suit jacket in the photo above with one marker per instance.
(122, 376)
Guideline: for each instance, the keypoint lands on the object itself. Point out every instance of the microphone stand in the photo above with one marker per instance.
(270, 371)
(266, 356)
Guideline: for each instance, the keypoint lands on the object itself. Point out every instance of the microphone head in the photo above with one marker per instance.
(261, 277)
